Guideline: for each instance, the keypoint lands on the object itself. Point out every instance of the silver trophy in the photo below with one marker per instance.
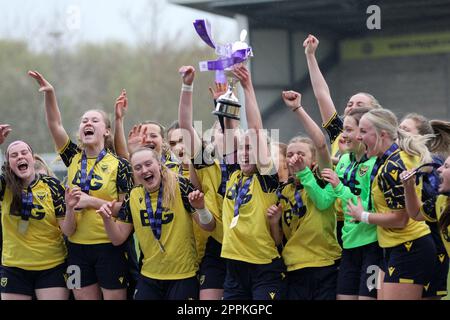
(228, 105)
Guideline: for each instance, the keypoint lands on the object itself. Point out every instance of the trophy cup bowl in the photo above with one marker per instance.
(228, 105)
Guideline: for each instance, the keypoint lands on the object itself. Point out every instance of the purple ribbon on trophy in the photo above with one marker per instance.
(229, 54)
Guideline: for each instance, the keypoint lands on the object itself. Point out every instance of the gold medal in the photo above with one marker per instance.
(234, 222)
(22, 227)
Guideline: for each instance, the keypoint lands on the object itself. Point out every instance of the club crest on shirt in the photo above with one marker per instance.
(4, 282)
(104, 168)
(363, 170)
(41, 195)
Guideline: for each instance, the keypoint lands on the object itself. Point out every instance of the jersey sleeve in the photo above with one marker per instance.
(323, 198)
(125, 211)
(391, 185)
(334, 127)
(59, 202)
(269, 183)
(68, 152)
(428, 210)
(57, 192)
(186, 187)
(124, 176)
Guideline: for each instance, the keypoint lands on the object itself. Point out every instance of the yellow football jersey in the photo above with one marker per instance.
(250, 239)
(178, 261)
(388, 196)
(209, 175)
(310, 232)
(42, 246)
(112, 176)
(432, 210)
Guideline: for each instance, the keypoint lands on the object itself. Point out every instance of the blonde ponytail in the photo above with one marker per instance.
(385, 120)
(415, 145)
(169, 181)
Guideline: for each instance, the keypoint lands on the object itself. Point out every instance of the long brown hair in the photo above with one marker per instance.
(168, 177)
(13, 182)
(441, 142)
(444, 220)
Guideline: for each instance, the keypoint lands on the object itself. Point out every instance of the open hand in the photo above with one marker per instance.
(105, 210)
(121, 106)
(219, 89)
(45, 86)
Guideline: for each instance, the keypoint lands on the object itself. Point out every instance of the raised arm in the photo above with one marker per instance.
(229, 125)
(254, 120)
(185, 111)
(320, 87)
(120, 143)
(5, 129)
(293, 100)
(53, 115)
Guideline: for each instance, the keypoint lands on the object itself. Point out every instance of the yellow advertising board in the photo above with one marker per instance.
(405, 45)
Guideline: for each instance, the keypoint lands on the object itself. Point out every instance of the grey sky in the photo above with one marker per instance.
(102, 20)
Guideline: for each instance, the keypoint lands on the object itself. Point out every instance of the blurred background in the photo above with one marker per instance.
(399, 51)
(89, 51)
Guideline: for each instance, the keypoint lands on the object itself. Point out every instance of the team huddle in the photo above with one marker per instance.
(181, 215)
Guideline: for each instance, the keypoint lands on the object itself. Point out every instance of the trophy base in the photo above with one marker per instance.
(226, 115)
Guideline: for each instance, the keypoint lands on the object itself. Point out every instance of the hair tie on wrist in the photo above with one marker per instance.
(187, 87)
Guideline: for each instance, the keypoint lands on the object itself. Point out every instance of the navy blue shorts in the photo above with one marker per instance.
(355, 271)
(104, 264)
(20, 281)
(153, 289)
(411, 262)
(317, 283)
(438, 284)
(213, 267)
(248, 281)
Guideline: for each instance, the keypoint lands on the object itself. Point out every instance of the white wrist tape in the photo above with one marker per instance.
(204, 216)
(186, 87)
(365, 217)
